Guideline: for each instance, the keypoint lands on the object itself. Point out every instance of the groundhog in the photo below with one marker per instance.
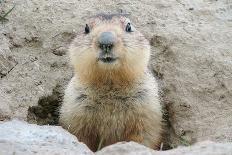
(112, 97)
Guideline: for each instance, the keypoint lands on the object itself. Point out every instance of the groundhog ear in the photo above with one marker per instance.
(87, 30)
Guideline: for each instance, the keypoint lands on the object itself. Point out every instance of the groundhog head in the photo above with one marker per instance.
(109, 49)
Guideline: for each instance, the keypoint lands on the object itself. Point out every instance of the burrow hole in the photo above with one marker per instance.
(47, 110)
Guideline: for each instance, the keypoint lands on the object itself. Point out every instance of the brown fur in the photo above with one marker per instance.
(112, 102)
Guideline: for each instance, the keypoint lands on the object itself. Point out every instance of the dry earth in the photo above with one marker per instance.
(191, 57)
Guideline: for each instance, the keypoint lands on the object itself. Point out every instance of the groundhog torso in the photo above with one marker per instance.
(112, 114)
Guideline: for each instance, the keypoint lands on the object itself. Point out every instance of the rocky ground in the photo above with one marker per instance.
(191, 57)
(20, 138)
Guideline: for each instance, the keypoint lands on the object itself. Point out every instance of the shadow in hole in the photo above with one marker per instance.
(47, 110)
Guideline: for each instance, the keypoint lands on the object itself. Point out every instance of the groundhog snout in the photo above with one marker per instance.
(106, 41)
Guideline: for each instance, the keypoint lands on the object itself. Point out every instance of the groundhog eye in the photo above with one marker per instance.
(128, 28)
(87, 29)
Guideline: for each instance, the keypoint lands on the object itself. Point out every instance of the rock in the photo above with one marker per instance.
(125, 148)
(202, 148)
(191, 57)
(20, 138)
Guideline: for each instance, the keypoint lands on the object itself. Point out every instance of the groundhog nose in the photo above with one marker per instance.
(106, 41)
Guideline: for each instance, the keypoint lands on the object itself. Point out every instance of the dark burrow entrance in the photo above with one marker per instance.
(47, 110)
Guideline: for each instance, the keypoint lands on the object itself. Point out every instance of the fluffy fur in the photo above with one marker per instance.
(112, 102)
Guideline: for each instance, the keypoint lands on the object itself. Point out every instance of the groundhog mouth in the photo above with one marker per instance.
(107, 59)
